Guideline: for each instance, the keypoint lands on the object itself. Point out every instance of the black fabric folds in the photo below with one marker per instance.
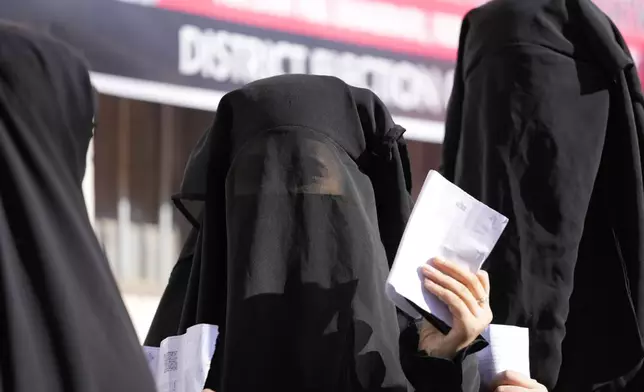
(545, 126)
(63, 325)
(304, 185)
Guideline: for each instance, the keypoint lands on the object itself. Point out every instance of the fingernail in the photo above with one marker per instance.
(428, 269)
(437, 260)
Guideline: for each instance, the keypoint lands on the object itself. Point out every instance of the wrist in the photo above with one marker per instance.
(442, 354)
(442, 351)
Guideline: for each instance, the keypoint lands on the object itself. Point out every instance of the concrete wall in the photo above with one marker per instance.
(141, 309)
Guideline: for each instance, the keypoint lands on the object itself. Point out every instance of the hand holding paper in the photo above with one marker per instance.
(466, 294)
(449, 224)
(446, 223)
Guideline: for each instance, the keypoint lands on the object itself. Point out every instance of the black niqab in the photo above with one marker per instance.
(545, 125)
(304, 202)
(63, 325)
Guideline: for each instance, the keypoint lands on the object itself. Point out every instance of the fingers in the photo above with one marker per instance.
(461, 291)
(456, 305)
(484, 278)
(466, 285)
(462, 275)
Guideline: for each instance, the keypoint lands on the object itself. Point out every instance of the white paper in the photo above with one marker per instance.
(447, 223)
(509, 349)
(182, 362)
(152, 355)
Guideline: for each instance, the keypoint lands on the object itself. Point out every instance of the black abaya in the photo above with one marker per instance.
(63, 325)
(545, 126)
(304, 184)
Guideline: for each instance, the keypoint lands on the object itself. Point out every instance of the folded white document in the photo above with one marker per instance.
(447, 223)
(182, 362)
(509, 349)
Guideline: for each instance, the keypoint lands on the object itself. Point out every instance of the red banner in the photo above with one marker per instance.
(427, 28)
(417, 27)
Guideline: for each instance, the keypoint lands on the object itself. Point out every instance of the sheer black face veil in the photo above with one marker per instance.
(304, 201)
(63, 326)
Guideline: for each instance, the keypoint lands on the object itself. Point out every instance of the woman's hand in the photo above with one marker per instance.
(466, 295)
(515, 382)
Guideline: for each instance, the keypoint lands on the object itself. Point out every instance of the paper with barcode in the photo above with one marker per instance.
(509, 349)
(181, 363)
(447, 223)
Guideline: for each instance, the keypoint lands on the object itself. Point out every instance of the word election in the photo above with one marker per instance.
(228, 57)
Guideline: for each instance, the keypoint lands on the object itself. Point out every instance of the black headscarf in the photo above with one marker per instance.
(304, 203)
(63, 325)
(546, 125)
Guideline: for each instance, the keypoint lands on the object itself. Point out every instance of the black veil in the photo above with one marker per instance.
(305, 263)
(545, 126)
(304, 191)
(63, 325)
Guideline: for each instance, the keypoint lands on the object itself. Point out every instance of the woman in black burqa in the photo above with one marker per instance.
(63, 325)
(304, 191)
(546, 126)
